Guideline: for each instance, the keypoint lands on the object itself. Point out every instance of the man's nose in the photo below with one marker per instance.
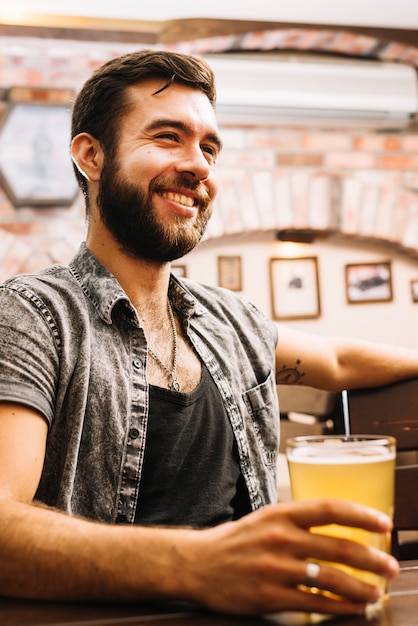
(195, 163)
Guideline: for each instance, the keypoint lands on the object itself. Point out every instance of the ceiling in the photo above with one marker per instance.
(377, 13)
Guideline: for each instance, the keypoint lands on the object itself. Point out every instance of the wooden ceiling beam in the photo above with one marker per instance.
(79, 34)
(188, 29)
(172, 31)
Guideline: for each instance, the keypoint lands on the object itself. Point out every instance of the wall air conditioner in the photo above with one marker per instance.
(323, 91)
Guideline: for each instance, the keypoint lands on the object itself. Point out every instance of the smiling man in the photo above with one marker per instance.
(163, 163)
(139, 420)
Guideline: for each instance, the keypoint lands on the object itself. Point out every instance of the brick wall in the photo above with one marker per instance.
(356, 182)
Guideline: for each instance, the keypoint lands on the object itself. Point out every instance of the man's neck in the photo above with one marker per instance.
(144, 282)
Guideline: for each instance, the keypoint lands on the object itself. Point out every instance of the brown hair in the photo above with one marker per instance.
(102, 101)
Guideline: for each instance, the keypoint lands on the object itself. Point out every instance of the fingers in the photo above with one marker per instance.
(310, 513)
(259, 563)
(307, 602)
(374, 564)
(286, 529)
(339, 585)
(352, 554)
(339, 550)
(332, 591)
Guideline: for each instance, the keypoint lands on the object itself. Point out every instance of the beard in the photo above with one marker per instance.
(128, 213)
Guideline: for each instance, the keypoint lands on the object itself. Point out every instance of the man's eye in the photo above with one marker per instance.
(169, 136)
(211, 152)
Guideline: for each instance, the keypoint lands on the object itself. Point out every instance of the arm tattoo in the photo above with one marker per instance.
(290, 375)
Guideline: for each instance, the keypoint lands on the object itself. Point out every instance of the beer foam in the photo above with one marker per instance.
(333, 454)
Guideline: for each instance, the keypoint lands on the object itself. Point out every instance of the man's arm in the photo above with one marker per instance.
(337, 363)
(48, 554)
(253, 565)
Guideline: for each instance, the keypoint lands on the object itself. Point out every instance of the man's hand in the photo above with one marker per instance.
(258, 564)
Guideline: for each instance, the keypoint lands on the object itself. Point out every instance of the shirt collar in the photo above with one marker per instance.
(105, 292)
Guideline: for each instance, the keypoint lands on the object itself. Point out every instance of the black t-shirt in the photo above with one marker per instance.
(191, 474)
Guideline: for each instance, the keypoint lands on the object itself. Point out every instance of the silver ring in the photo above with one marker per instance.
(311, 574)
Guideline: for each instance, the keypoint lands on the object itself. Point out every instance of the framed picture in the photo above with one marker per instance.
(35, 164)
(294, 286)
(179, 270)
(414, 290)
(368, 282)
(229, 272)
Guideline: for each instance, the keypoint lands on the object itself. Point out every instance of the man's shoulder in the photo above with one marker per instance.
(42, 280)
(232, 304)
(52, 292)
(211, 295)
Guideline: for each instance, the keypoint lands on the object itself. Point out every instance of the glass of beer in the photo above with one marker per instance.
(360, 468)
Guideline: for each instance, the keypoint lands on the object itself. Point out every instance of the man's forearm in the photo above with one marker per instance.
(46, 554)
(337, 363)
(369, 364)
(251, 566)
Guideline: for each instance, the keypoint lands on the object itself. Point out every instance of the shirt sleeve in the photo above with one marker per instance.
(29, 354)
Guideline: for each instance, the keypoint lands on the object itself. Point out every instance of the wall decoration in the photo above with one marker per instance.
(229, 272)
(294, 288)
(368, 282)
(35, 164)
(179, 270)
(414, 290)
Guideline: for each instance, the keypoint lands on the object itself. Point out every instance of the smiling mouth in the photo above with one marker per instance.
(178, 197)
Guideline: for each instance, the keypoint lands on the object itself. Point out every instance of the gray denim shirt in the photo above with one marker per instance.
(72, 347)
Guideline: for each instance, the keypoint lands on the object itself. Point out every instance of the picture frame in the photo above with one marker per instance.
(294, 288)
(179, 270)
(414, 290)
(35, 163)
(230, 272)
(368, 282)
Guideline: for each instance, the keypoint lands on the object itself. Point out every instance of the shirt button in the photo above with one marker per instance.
(134, 433)
(137, 364)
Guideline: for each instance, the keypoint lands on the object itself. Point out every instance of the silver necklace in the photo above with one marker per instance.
(172, 374)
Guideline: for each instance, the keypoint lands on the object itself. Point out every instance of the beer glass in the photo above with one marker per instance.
(360, 468)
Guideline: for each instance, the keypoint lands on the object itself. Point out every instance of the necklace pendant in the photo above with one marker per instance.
(174, 384)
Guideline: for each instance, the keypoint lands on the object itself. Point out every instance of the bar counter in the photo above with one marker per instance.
(401, 609)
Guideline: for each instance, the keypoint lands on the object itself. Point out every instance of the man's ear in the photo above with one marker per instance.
(87, 155)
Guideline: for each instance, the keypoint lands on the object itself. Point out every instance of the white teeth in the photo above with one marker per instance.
(178, 197)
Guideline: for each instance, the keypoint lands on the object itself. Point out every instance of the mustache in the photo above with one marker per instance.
(167, 183)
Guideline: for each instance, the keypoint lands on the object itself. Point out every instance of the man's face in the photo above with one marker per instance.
(156, 196)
